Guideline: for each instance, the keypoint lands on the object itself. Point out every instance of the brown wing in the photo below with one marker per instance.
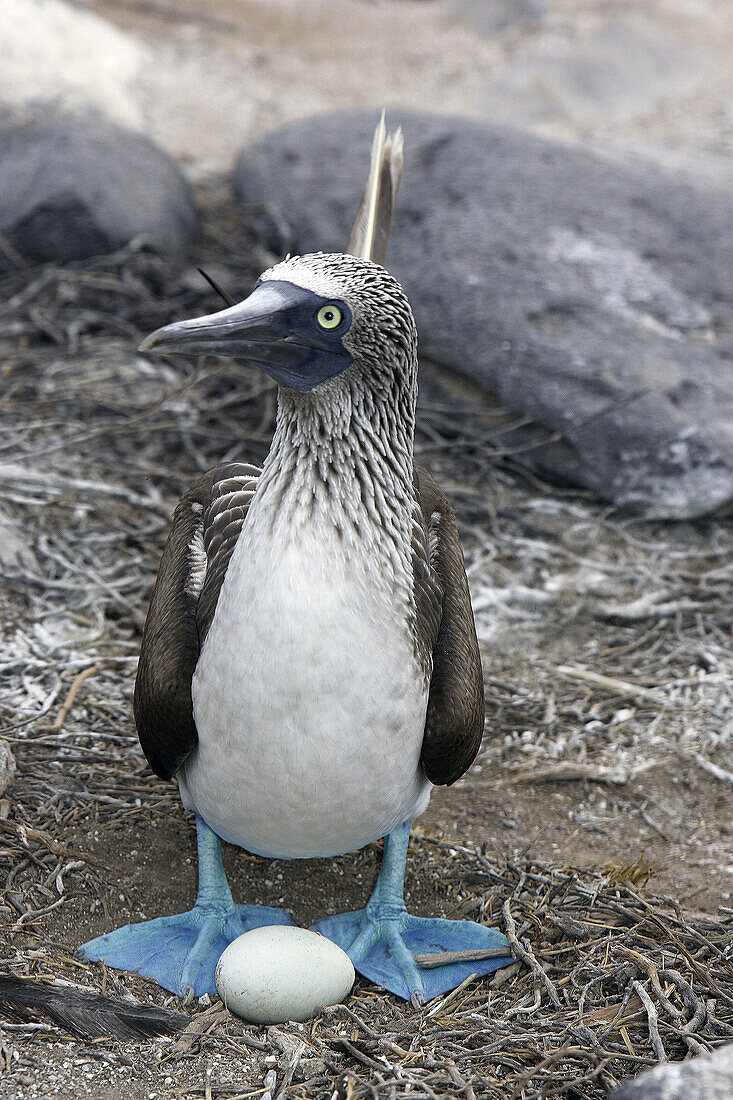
(455, 718)
(205, 528)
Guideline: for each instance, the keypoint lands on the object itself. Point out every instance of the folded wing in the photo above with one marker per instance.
(205, 528)
(446, 628)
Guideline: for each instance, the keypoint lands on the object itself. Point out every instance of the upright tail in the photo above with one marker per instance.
(370, 232)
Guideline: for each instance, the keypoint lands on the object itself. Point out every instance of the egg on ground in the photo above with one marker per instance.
(279, 973)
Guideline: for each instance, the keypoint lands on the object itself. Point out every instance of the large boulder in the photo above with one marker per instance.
(709, 1077)
(71, 188)
(591, 297)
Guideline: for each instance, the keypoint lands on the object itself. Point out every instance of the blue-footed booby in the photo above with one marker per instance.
(309, 666)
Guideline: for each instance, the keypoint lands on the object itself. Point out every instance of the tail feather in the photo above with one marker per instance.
(370, 232)
(85, 1015)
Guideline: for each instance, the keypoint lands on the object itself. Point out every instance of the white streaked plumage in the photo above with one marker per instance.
(196, 560)
(308, 682)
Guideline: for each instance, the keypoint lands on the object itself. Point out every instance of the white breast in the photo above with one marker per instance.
(309, 703)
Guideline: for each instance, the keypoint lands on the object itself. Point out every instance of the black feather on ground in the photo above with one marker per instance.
(85, 1015)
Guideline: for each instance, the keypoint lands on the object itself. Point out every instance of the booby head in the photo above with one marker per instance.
(309, 320)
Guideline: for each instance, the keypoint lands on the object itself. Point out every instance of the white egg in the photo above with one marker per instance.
(280, 972)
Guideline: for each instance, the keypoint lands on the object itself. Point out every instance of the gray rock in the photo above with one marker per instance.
(589, 296)
(709, 1077)
(76, 188)
(615, 74)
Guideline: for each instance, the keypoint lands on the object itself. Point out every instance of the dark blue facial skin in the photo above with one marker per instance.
(275, 327)
(303, 354)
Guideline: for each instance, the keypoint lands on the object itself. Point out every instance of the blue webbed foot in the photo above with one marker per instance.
(382, 940)
(383, 949)
(181, 952)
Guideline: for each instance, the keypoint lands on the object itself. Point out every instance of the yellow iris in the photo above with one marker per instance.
(329, 316)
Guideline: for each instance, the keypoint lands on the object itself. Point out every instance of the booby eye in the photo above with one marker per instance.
(329, 316)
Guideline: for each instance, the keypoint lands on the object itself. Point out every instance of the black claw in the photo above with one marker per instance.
(187, 995)
(417, 1000)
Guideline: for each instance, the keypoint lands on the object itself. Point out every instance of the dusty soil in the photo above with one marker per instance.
(565, 590)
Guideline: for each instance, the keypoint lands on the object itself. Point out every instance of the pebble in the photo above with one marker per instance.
(7, 766)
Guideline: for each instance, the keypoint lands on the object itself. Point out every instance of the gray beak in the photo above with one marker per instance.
(275, 327)
(236, 330)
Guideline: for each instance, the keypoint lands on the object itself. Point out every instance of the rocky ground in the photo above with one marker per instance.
(606, 641)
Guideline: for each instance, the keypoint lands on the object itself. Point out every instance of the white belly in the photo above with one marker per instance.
(309, 705)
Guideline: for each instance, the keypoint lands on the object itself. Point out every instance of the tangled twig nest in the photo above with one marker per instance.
(608, 981)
